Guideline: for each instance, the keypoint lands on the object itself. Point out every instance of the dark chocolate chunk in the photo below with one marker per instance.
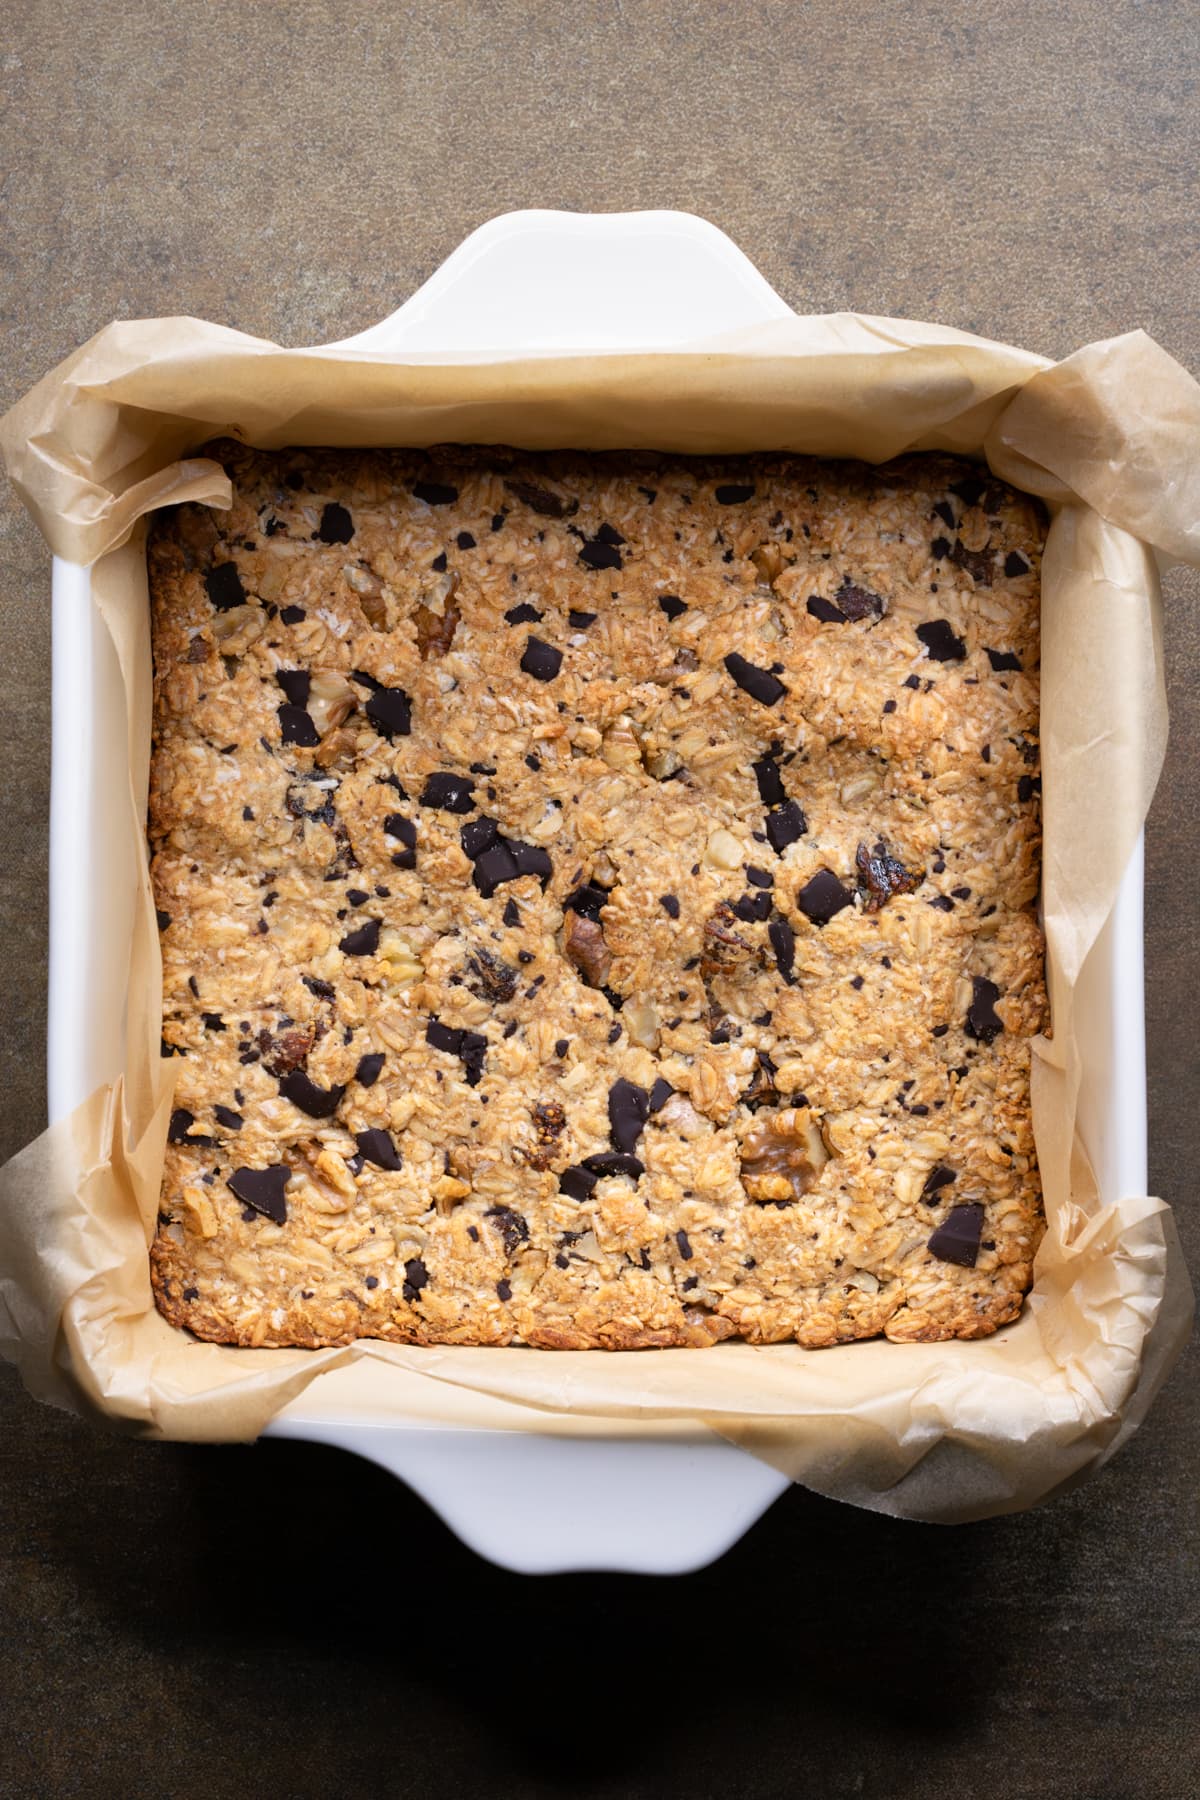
(596, 553)
(615, 1162)
(732, 493)
(317, 1102)
(376, 1146)
(771, 790)
(470, 1046)
(292, 615)
(983, 1023)
(212, 1021)
(225, 1115)
(439, 562)
(660, 1093)
(295, 727)
(1003, 659)
(224, 585)
(369, 1066)
(628, 1110)
(822, 897)
(435, 493)
(912, 681)
(576, 1183)
(524, 614)
(672, 605)
(494, 865)
(759, 878)
(685, 1248)
(356, 896)
(541, 660)
(760, 684)
(1025, 788)
(942, 903)
(538, 500)
(753, 907)
(503, 1290)
(941, 643)
(945, 512)
(164, 918)
(561, 1046)
(940, 548)
(825, 610)
(363, 940)
(784, 826)
(262, 1189)
(416, 1277)
(296, 684)
(512, 912)
(512, 1226)
(478, 836)
(336, 527)
(1015, 564)
(783, 942)
(579, 621)
(448, 792)
(390, 711)
(324, 990)
(531, 859)
(586, 900)
(969, 489)
(956, 1239)
(465, 541)
(670, 905)
(937, 1178)
(180, 1125)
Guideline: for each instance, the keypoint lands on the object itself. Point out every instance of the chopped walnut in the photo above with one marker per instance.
(584, 945)
(782, 1155)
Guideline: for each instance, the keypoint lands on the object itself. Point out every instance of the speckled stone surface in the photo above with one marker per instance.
(185, 1621)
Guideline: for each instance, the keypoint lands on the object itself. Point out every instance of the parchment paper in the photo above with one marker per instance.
(1110, 438)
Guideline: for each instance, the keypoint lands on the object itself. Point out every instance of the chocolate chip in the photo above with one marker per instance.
(465, 541)
(672, 605)
(164, 918)
(296, 684)
(938, 1177)
(759, 878)
(940, 1031)
(1015, 564)
(449, 793)
(512, 912)
(524, 614)
(561, 1046)
(531, 859)
(369, 1066)
(416, 1277)
(376, 1146)
(597, 553)
(225, 1115)
(760, 684)
(212, 1021)
(541, 660)
(363, 940)
(956, 1239)
(615, 1162)
(912, 681)
(477, 837)
(771, 790)
(262, 1189)
(783, 942)
(439, 562)
(356, 896)
(493, 865)
(579, 621)
(983, 1023)
(576, 1183)
(317, 1102)
(785, 826)
(336, 527)
(942, 903)
(685, 1248)
(670, 905)
(224, 586)
(586, 900)
(390, 711)
(822, 897)
(940, 548)
(1003, 659)
(753, 908)
(660, 1093)
(1025, 788)
(732, 493)
(435, 493)
(470, 1046)
(292, 615)
(825, 610)
(940, 642)
(504, 1290)
(295, 727)
(628, 1110)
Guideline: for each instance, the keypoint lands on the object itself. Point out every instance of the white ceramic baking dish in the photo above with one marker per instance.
(653, 1497)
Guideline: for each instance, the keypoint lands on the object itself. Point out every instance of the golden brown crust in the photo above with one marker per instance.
(653, 675)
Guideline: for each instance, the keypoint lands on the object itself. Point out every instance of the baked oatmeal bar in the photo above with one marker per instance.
(597, 899)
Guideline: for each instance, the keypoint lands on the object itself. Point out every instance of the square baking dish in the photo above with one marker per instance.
(640, 1496)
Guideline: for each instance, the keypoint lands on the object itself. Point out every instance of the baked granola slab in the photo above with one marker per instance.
(597, 899)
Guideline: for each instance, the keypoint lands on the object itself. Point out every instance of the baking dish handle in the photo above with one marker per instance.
(578, 281)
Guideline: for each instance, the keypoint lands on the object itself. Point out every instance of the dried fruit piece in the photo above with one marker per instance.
(881, 875)
(550, 1121)
(781, 1156)
(435, 630)
(542, 500)
(490, 977)
(512, 1226)
(584, 945)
